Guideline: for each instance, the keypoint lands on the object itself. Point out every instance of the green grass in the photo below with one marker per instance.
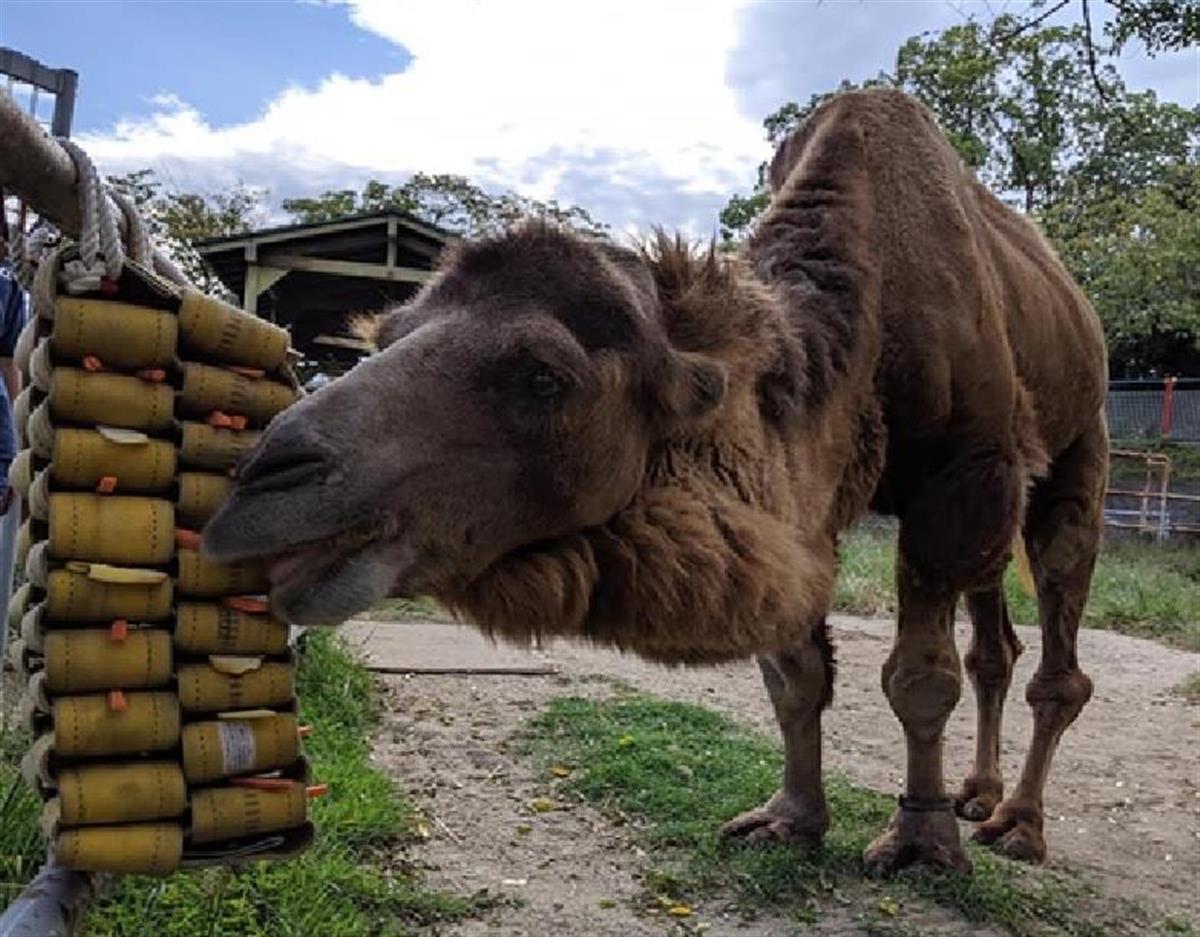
(1189, 688)
(348, 884)
(1185, 459)
(675, 771)
(1142, 589)
(21, 849)
(401, 609)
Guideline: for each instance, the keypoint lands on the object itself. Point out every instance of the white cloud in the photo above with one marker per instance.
(643, 111)
(514, 94)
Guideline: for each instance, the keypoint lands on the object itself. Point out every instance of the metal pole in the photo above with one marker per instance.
(49, 905)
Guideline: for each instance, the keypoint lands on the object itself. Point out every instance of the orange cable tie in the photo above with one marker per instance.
(107, 484)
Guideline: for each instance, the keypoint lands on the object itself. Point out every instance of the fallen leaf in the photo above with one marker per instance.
(542, 805)
(625, 741)
(524, 829)
(888, 906)
(679, 910)
(606, 903)
(560, 771)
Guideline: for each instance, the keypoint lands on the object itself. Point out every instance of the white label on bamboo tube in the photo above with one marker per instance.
(237, 747)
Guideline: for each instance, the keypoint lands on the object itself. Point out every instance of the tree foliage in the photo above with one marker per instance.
(448, 201)
(1042, 116)
(178, 219)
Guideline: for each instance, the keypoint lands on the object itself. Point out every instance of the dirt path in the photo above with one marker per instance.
(1124, 802)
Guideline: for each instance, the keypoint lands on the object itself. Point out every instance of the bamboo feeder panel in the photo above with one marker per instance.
(160, 690)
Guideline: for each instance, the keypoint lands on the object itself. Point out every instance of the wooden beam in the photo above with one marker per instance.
(340, 341)
(348, 268)
(391, 243)
(291, 232)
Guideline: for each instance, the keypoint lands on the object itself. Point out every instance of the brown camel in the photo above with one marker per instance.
(657, 450)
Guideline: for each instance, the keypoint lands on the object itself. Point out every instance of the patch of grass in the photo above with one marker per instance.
(1148, 590)
(21, 849)
(1185, 458)
(1189, 687)
(347, 885)
(677, 771)
(421, 607)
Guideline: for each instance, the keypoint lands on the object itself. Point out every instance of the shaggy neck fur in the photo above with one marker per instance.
(728, 548)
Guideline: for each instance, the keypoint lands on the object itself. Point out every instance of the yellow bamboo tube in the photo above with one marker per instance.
(18, 604)
(218, 330)
(20, 473)
(204, 447)
(23, 543)
(88, 725)
(78, 396)
(38, 497)
(200, 494)
(121, 793)
(132, 849)
(36, 426)
(203, 578)
(214, 629)
(121, 335)
(90, 659)
(204, 689)
(111, 529)
(207, 388)
(24, 409)
(231, 812)
(82, 457)
(75, 597)
(227, 747)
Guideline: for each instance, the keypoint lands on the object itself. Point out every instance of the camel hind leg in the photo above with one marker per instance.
(1062, 532)
(989, 663)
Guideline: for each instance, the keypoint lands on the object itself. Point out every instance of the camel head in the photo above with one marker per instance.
(514, 414)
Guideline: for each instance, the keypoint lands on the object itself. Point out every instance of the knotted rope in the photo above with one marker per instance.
(99, 236)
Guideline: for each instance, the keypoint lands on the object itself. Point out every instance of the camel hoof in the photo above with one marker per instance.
(924, 838)
(779, 820)
(1015, 831)
(977, 809)
(978, 799)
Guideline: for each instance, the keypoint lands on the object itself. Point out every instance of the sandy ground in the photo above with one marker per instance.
(1123, 803)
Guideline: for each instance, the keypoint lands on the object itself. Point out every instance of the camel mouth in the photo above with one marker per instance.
(327, 581)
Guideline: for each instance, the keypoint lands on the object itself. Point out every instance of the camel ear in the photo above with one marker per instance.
(694, 387)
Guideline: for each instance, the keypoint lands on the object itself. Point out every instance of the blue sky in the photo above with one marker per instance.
(226, 57)
(643, 111)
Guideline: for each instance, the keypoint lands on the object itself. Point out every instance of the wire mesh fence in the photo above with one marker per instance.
(1155, 410)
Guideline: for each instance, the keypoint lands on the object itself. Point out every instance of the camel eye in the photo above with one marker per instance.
(545, 384)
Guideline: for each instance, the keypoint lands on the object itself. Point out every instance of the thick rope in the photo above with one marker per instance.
(137, 235)
(98, 235)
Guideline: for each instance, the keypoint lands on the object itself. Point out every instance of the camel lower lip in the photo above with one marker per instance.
(284, 566)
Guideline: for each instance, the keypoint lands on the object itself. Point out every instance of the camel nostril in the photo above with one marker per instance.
(278, 471)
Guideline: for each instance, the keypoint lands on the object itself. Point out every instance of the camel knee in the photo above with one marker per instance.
(923, 696)
(991, 667)
(1058, 698)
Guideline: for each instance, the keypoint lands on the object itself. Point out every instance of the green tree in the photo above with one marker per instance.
(178, 219)
(1109, 173)
(448, 201)
(1136, 252)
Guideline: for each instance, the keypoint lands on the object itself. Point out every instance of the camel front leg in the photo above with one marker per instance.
(922, 680)
(800, 684)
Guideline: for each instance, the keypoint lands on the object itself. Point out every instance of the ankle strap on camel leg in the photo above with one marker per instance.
(925, 804)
